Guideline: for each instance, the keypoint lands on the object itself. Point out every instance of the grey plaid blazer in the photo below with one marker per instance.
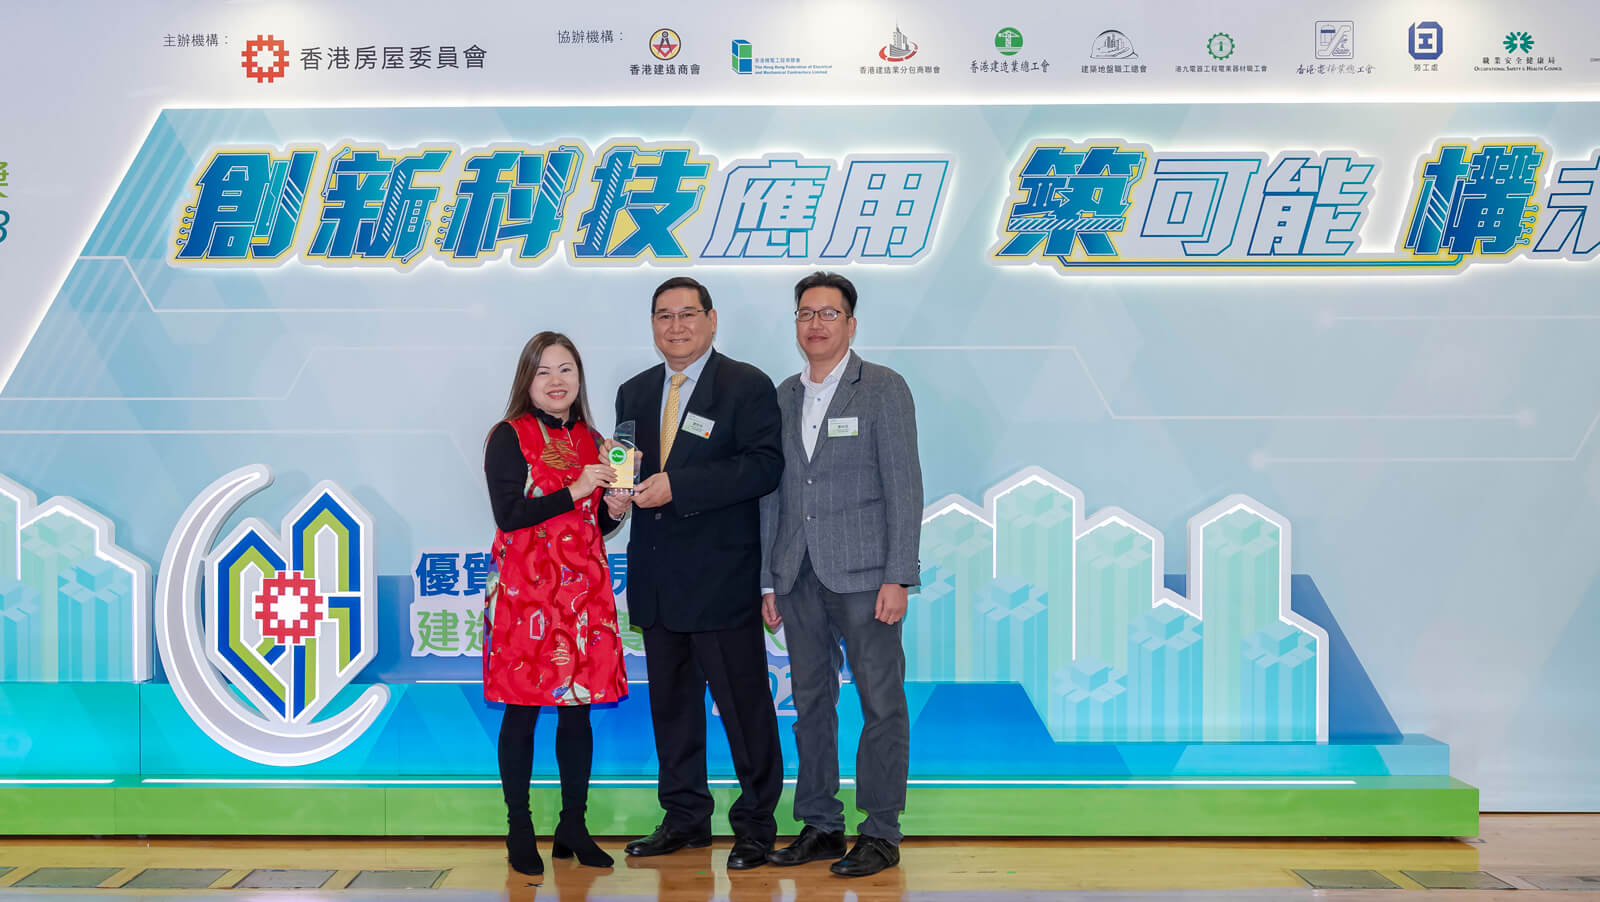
(856, 505)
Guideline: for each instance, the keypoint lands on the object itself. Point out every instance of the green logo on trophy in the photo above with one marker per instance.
(624, 458)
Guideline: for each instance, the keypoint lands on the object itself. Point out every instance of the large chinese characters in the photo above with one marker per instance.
(447, 602)
(628, 203)
(1110, 205)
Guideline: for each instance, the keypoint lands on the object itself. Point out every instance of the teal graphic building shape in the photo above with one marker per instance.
(1024, 589)
(73, 606)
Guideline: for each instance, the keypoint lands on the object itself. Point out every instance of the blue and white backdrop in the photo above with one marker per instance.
(1239, 422)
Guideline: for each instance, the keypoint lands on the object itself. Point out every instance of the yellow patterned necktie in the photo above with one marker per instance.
(669, 417)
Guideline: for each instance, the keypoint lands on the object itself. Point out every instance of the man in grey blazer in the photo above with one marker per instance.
(839, 541)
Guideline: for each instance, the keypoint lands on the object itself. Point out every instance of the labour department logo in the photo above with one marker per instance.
(287, 620)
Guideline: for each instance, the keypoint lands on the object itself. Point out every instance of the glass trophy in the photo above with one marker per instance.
(624, 457)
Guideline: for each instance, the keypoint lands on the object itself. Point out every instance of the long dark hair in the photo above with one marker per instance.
(528, 364)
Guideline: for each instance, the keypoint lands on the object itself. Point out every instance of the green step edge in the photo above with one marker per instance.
(1374, 806)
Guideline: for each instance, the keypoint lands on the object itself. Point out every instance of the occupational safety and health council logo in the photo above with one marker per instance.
(265, 58)
(287, 620)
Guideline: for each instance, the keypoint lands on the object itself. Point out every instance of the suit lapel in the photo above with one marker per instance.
(796, 421)
(647, 422)
(849, 384)
(700, 401)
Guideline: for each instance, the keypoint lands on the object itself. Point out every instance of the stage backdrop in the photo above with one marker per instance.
(1263, 431)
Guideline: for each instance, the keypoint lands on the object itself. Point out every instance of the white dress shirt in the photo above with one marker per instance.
(818, 396)
(692, 371)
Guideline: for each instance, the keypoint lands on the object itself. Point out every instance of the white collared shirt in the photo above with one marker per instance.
(692, 371)
(818, 397)
(814, 409)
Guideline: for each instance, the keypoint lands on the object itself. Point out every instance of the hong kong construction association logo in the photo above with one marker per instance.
(287, 620)
(665, 44)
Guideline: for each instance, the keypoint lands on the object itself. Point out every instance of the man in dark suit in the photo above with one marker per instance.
(707, 427)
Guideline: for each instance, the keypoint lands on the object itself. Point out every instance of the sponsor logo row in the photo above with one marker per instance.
(1332, 44)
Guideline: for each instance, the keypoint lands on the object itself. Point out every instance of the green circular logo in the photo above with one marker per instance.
(619, 456)
(1008, 41)
(1220, 46)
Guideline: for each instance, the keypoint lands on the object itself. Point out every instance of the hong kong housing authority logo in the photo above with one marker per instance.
(265, 59)
(288, 619)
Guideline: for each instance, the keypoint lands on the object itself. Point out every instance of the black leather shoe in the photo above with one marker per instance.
(869, 856)
(665, 840)
(811, 845)
(748, 853)
(522, 849)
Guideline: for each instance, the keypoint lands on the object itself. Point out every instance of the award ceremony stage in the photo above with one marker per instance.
(975, 772)
(1250, 547)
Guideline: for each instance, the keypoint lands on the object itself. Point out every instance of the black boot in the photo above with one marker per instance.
(516, 766)
(575, 756)
(572, 838)
(522, 847)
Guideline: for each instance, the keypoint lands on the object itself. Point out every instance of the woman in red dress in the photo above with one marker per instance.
(551, 620)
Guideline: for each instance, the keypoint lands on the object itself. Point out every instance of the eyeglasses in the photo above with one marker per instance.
(686, 316)
(827, 314)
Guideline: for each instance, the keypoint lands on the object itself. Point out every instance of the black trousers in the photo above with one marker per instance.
(733, 663)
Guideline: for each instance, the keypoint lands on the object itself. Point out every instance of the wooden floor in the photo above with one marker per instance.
(1518, 849)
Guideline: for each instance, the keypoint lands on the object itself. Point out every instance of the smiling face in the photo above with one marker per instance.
(555, 382)
(683, 327)
(824, 343)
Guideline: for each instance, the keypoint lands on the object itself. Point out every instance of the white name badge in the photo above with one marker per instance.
(843, 427)
(698, 425)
